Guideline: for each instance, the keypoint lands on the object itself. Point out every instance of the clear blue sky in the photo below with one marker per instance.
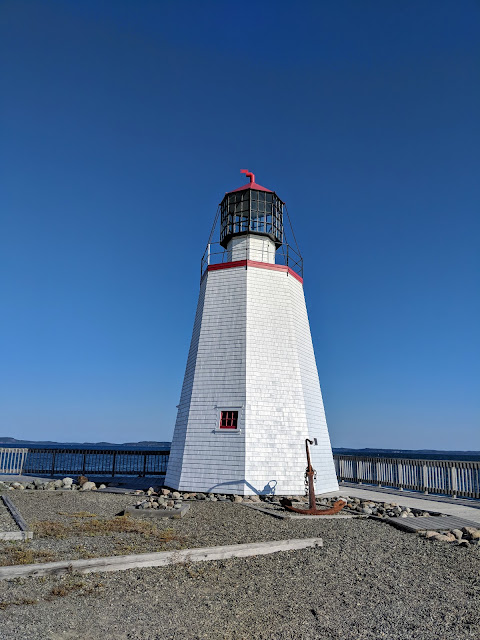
(122, 125)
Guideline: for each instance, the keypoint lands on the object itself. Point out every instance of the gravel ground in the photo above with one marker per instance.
(49, 505)
(7, 523)
(60, 507)
(369, 581)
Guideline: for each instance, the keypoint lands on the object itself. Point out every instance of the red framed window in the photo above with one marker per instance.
(228, 419)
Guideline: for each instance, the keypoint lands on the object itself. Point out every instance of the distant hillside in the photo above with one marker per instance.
(154, 444)
(142, 443)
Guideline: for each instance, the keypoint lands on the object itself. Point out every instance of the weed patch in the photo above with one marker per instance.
(74, 583)
(17, 603)
(12, 555)
(95, 526)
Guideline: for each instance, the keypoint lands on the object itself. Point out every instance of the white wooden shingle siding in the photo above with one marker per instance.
(252, 352)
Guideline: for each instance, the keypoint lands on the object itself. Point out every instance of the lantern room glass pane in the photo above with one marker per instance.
(251, 211)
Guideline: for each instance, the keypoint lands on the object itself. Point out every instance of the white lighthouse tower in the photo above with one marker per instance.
(251, 393)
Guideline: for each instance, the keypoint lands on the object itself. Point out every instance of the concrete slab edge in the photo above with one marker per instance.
(293, 516)
(159, 559)
(16, 535)
(274, 514)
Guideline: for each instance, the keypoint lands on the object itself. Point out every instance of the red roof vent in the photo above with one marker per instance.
(252, 184)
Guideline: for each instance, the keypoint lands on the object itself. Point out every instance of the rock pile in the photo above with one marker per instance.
(162, 499)
(67, 484)
(463, 537)
(383, 509)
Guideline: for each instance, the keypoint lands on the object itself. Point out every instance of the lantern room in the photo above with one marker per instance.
(251, 209)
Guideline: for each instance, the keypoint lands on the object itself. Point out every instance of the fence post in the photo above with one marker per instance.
(359, 469)
(144, 465)
(379, 481)
(453, 481)
(400, 475)
(113, 463)
(24, 457)
(53, 464)
(425, 479)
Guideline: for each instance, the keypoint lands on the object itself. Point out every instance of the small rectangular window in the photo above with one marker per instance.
(228, 419)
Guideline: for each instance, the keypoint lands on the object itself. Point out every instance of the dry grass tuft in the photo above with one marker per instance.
(73, 583)
(12, 555)
(12, 603)
(95, 526)
(51, 529)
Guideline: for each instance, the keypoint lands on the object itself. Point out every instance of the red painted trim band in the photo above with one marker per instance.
(253, 263)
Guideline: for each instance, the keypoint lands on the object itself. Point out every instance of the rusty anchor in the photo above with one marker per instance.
(309, 478)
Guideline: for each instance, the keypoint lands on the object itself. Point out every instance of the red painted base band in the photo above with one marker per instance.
(253, 263)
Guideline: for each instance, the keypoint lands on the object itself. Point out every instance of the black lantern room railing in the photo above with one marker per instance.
(251, 211)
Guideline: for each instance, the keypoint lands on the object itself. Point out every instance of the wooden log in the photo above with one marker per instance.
(159, 559)
(22, 525)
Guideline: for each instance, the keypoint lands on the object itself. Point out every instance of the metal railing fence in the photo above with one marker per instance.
(12, 460)
(100, 462)
(285, 256)
(447, 477)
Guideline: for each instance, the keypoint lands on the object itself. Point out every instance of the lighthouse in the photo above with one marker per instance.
(251, 392)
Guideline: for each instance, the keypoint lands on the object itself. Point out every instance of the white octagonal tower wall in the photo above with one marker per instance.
(256, 248)
(284, 401)
(201, 457)
(251, 352)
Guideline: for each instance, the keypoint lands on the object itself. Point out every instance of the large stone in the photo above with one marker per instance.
(471, 533)
(17, 485)
(255, 498)
(444, 537)
(176, 495)
(238, 499)
(431, 534)
(457, 533)
(82, 480)
(88, 486)
(58, 483)
(67, 482)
